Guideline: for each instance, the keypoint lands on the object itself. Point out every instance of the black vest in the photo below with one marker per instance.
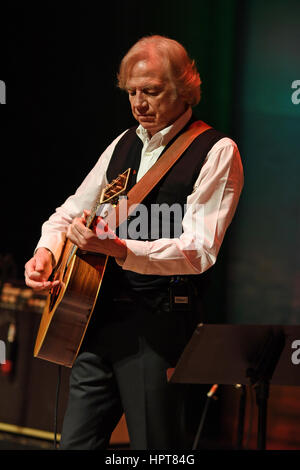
(174, 187)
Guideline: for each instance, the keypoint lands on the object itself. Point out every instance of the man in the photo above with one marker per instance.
(137, 332)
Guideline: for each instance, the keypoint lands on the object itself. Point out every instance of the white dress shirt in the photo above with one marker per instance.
(216, 192)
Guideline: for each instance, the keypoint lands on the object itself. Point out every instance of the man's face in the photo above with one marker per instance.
(153, 97)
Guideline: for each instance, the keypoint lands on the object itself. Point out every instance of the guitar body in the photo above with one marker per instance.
(69, 307)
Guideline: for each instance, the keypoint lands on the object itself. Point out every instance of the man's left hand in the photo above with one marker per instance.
(105, 241)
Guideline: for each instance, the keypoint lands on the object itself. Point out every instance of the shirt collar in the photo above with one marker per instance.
(164, 136)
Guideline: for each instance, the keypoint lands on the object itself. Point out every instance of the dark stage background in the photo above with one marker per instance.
(63, 108)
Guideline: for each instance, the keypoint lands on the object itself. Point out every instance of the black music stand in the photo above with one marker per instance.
(257, 355)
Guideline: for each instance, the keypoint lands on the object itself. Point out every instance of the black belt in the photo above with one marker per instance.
(151, 299)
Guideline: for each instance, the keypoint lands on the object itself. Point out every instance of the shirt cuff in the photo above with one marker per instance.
(52, 244)
(137, 258)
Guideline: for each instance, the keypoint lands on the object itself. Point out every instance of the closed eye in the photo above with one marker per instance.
(152, 91)
(146, 91)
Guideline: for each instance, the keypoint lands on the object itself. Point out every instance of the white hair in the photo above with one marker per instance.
(182, 69)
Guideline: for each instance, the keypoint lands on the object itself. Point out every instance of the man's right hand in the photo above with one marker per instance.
(38, 270)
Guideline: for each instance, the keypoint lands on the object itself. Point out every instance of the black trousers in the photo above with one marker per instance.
(122, 367)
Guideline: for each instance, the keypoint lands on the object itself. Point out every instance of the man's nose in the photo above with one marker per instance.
(140, 101)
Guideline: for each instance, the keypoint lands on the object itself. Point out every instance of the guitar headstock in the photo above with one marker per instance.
(115, 189)
(109, 197)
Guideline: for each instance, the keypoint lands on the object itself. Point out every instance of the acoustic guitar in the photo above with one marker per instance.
(70, 305)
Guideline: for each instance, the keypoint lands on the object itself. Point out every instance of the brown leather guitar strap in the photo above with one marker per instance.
(141, 189)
